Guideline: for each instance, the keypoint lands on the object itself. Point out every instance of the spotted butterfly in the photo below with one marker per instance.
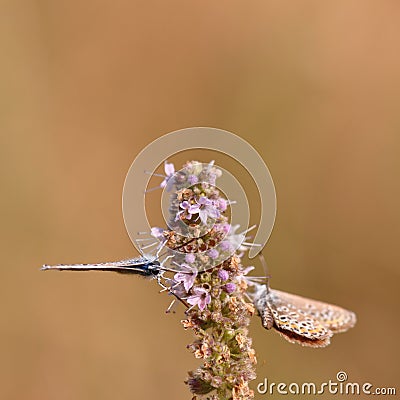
(300, 320)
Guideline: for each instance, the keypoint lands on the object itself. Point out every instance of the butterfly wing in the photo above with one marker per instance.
(293, 323)
(334, 318)
(305, 321)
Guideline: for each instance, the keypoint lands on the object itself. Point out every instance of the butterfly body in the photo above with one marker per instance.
(298, 319)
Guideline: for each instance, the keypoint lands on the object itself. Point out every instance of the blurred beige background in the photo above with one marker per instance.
(85, 85)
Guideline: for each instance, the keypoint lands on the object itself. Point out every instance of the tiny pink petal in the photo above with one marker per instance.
(204, 301)
(194, 209)
(169, 168)
(203, 216)
(222, 204)
(185, 205)
(157, 232)
(203, 201)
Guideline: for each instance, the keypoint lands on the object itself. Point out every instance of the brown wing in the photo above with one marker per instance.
(295, 325)
(298, 319)
(334, 318)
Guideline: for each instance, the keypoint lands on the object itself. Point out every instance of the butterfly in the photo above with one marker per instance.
(298, 319)
(144, 266)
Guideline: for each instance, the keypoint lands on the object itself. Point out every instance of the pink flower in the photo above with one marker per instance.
(213, 254)
(190, 258)
(187, 276)
(185, 205)
(176, 288)
(222, 204)
(169, 172)
(193, 179)
(201, 298)
(205, 208)
(223, 275)
(226, 228)
(230, 287)
(157, 232)
(226, 245)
